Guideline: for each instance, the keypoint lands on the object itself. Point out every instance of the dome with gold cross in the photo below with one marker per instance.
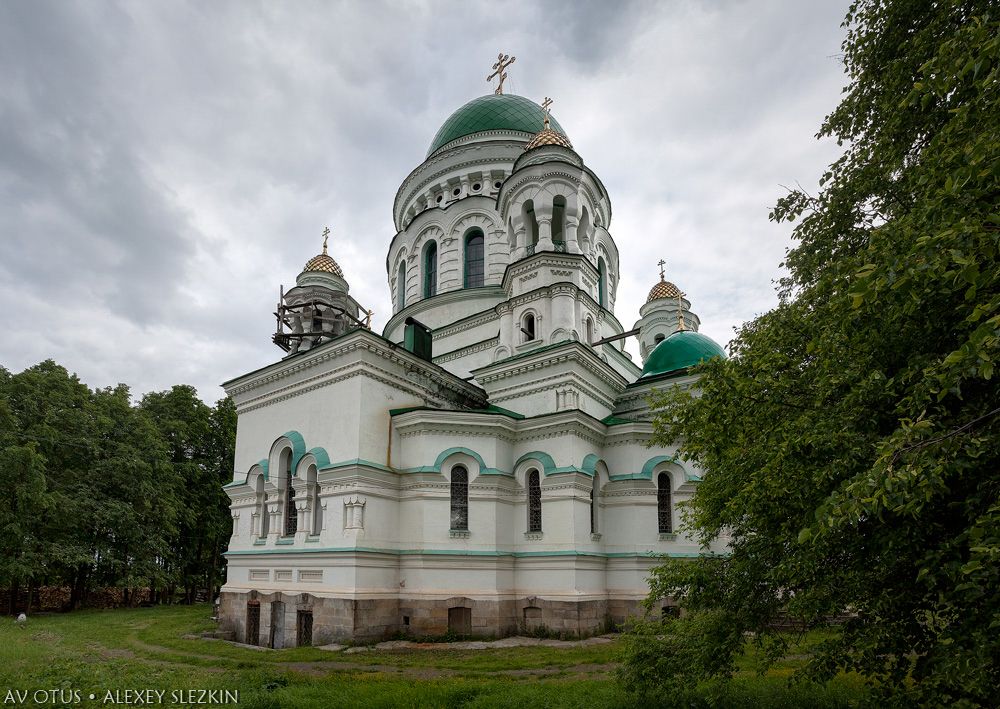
(663, 289)
(547, 136)
(323, 262)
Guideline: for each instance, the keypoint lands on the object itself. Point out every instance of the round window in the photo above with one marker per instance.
(497, 184)
(476, 187)
(439, 198)
(456, 191)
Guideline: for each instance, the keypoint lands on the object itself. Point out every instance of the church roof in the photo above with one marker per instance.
(663, 289)
(492, 112)
(683, 349)
(323, 262)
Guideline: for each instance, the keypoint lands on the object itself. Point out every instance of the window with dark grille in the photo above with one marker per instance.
(291, 517)
(528, 327)
(475, 262)
(593, 506)
(664, 511)
(534, 502)
(430, 269)
(459, 498)
(602, 285)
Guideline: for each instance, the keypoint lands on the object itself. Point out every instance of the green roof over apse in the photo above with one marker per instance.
(683, 349)
(493, 112)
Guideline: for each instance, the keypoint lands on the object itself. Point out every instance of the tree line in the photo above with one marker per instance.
(101, 492)
(852, 441)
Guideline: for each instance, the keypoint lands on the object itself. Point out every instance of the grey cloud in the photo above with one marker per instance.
(164, 166)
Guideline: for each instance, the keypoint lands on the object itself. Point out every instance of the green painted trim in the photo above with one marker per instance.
(312, 538)
(647, 470)
(321, 456)
(445, 454)
(356, 462)
(259, 542)
(285, 540)
(475, 553)
(490, 410)
(615, 420)
(589, 464)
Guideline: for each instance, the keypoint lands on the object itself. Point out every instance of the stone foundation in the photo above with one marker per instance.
(367, 620)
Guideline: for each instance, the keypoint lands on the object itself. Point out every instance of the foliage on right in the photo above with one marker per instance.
(853, 439)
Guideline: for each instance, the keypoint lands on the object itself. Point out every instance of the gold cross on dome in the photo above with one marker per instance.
(545, 109)
(661, 263)
(326, 237)
(500, 70)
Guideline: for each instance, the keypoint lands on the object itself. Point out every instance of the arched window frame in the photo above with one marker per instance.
(602, 282)
(529, 326)
(533, 490)
(430, 263)
(315, 511)
(459, 499)
(558, 219)
(530, 223)
(291, 517)
(401, 285)
(475, 259)
(595, 488)
(589, 329)
(262, 514)
(664, 504)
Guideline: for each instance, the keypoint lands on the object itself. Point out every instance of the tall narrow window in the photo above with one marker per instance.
(316, 521)
(528, 327)
(664, 510)
(401, 286)
(558, 220)
(590, 330)
(534, 502)
(530, 223)
(475, 262)
(593, 504)
(262, 515)
(291, 517)
(430, 269)
(459, 498)
(602, 285)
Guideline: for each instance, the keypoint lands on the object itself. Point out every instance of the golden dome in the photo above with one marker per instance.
(324, 263)
(663, 289)
(547, 136)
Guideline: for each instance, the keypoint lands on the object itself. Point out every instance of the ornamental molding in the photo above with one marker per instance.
(603, 372)
(468, 350)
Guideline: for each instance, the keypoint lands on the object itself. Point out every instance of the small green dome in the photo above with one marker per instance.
(493, 112)
(683, 349)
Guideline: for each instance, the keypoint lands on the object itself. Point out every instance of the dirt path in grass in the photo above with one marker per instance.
(153, 654)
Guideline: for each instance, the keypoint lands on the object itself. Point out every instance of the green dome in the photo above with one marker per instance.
(683, 349)
(493, 112)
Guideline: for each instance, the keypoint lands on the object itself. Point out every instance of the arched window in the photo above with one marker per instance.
(558, 220)
(602, 282)
(658, 339)
(475, 260)
(530, 222)
(594, 488)
(291, 516)
(430, 269)
(459, 498)
(316, 513)
(528, 327)
(590, 330)
(534, 502)
(262, 508)
(664, 510)
(401, 286)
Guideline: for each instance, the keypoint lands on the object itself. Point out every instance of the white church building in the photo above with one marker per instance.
(483, 466)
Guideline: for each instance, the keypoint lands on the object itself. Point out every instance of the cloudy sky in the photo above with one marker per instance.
(164, 166)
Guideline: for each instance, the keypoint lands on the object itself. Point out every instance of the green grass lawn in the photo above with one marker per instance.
(93, 652)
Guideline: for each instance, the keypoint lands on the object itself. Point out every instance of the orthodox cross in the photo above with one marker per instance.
(680, 312)
(500, 70)
(661, 263)
(326, 237)
(545, 108)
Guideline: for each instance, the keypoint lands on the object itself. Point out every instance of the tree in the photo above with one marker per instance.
(852, 438)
